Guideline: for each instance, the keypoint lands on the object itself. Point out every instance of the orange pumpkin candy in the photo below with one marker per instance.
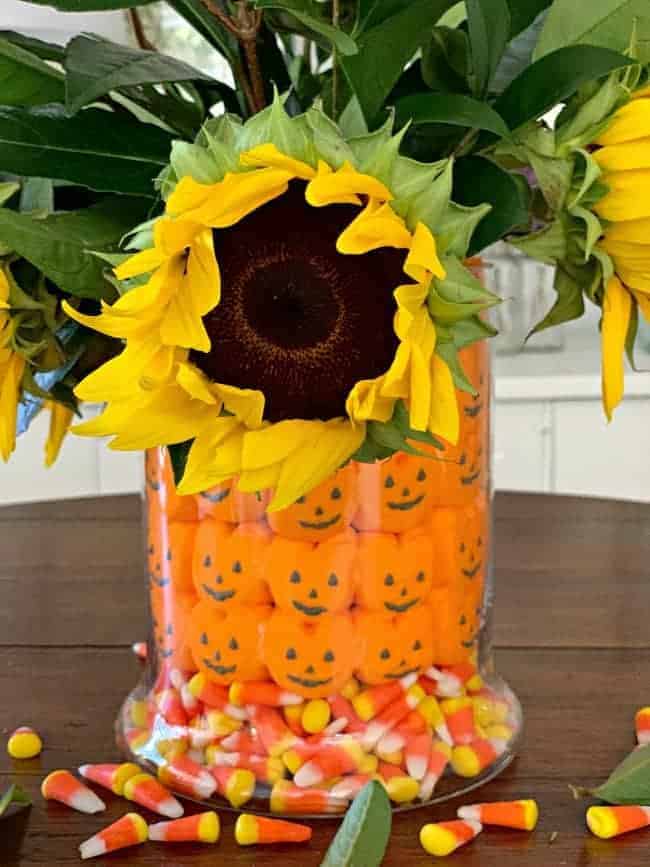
(170, 552)
(161, 491)
(395, 573)
(312, 580)
(229, 563)
(456, 623)
(322, 513)
(226, 646)
(313, 658)
(395, 495)
(460, 538)
(225, 502)
(396, 645)
(170, 616)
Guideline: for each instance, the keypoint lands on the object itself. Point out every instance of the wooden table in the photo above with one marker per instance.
(573, 638)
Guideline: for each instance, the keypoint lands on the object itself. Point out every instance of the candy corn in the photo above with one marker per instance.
(201, 828)
(24, 743)
(642, 725)
(140, 649)
(170, 705)
(416, 755)
(62, 786)
(235, 784)
(214, 696)
(187, 776)
(243, 742)
(371, 701)
(391, 715)
(448, 684)
(522, 815)
(342, 708)
(399, 786)
(293, 717)
(438, 761)
(288, 798)
(489, 710)
(444, 838)
(459, 716)
(145, 790)
(127, 831)
(112, 777)
(267, 769)
(137, 737)
(253, 830)
(272, 729)
(431, 712)
(606, 822)
(261, 692)
(316, 715)
(350, 786)
(340, 756)
(222, 724)
(469, 760)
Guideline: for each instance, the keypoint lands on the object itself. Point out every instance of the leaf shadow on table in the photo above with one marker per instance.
(12, 833)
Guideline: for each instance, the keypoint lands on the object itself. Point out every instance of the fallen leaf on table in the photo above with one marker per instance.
(13, 795)
(363, 836)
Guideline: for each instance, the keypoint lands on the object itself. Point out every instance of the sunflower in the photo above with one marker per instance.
(298, 292)
(12, 366)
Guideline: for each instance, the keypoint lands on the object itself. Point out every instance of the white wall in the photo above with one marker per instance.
(45, 23)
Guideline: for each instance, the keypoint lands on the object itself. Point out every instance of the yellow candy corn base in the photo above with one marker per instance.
(269, 630)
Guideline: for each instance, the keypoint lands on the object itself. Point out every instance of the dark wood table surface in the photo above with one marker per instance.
(572, 632)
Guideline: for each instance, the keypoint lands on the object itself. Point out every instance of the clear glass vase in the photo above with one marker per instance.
(295, 655)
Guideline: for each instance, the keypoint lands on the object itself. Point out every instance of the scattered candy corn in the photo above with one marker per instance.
(201, 828)
(112, 777)
(253, 830)
(127, 831)
(444, 838)
(24, 743)
(522, 815)
(606, 822)
(145, 790)
(642, 725)
(63, 787)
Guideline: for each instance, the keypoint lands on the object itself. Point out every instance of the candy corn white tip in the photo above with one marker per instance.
(307, 776)
(408, 681)
(92, 848)
(170, 808)
(87, 802)
(469, 814)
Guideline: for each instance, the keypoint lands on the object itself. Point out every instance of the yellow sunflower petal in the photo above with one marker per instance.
(140, 263)
(639, 280)
(365, 402)
(632, 231)
(644, 304)
(201, 470)
(247, 404)
(635, 256)
(252, 481)
(268, 156)
(376, 226)
(410, 299)
(119, 378)
(444, 420)
(617, 308)
(182, 320)
(343, 186)
(420, 389)
(174, 236)
(4, 289)
(60, 418)
(622, 157)
(628, 197)
(422, 259)
(229, 201)
(11, 374)
(197, 384)
(274, 443)
(329, 446)
(629, 123)
(396, 379)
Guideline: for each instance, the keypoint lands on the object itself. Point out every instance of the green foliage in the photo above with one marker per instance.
(89, 5)
(13, 796)
(608, 23)
(25, 79)
(450, 108)
(362, 837)
(629, 783)
(488, 23)
(308, 12)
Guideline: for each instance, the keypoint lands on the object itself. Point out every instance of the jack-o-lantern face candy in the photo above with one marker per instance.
(312, 580)
(456, 624)
(394, 646)
(226, 647)
(395, 573)
(169, 555)
(314, 659)
(162, 498)
(395, 495)
(229, 564)
(226, 503)
(460, 539)
(322, 513)
(170, 615)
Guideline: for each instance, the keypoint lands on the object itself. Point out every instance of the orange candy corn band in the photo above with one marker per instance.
(606, 822)
(443, 838)
(63, 787)
(145, 790)
(112, 777)
(642, 725)
(522, 815)
(254, 830)
(130, 830)
(201, 828)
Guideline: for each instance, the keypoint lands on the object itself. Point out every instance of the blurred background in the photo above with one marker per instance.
(550, 433)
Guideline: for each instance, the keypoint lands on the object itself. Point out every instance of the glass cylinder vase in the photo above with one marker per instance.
(296, 654)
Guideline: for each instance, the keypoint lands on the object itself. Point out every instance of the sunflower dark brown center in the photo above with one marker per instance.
(298, 320)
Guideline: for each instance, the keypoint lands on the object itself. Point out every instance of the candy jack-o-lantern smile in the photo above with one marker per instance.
(226, 503)
(395, 645)
(456, 622)
(169, 555)
(460, 539)
(170, 615)
(320, 514)
(395, 494)
(228, 566)
(226, 647)
(313, 658)
(312, 580)
(395, 573)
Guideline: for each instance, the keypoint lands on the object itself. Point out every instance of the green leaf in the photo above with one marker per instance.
(7, 190)
(569, 304)
(308, 12)
(488, 24)
(518, 55)
(386, 48)
(25, 79)
(95, 66)
(478, 181)
(524, 12)
(449, 108)
(59, 245)
(89, 5)
(14, 795)
(96, 149)
(178, 453)
(607, 23)
(552, 80)
(445, 60)
(37, 196)
(363, 835)
(459, 296)
(629, 783)
(44, 50)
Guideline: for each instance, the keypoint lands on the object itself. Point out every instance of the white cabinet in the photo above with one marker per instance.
(521, 438)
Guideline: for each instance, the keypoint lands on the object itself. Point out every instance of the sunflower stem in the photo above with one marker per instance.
(336, 14)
